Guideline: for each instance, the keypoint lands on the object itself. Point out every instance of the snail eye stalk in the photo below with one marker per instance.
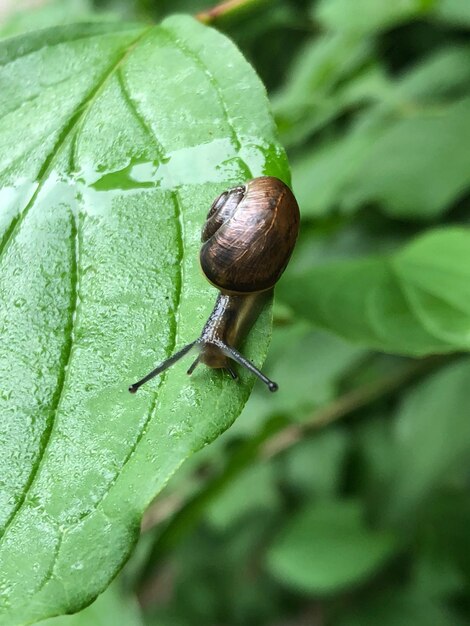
(162, 367)
(232, 373)
(228, 351)
(244, 362)
(193, 366)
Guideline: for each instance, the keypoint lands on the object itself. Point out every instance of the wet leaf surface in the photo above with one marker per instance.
(114, 140)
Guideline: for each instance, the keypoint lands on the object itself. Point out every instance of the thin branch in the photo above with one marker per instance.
(346, 404)
(230, 6)
(161, 510)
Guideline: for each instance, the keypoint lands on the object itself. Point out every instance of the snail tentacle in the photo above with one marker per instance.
(163, 366)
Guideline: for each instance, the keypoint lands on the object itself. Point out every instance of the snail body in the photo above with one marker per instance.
(247, 240)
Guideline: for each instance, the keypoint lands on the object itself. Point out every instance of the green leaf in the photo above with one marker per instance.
(364, 16)
(311, 364)
(339, 71)
(321, 175)
(437, 575)
(431, 437)
(456, 12)
(114, 140)
(315, 465)
(328, 547)
(383, 163)
(393, 607)
(252, 491)
(443, 526)
(25, 18)
(112, 607)
(442, 76)
(416, 301)
(414, 116)
(419, 166)
(309, 97)
(325, 78)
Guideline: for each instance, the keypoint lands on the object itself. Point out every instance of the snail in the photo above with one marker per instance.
(247, 240)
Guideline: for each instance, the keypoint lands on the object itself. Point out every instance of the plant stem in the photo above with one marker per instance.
(346, 404)
(224, 8)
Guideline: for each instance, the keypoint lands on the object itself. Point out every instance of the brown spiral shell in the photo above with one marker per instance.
(249, 236)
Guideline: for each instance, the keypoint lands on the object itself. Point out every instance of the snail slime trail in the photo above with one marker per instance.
(247, 240)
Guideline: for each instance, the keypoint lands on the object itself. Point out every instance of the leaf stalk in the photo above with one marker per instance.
(209, 16)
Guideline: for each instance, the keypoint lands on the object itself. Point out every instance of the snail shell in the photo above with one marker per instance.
(249, 236)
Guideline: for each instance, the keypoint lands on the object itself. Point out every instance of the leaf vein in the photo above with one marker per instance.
(177, 299)
(66, 132)
(64, 361)
(197, 60)
(25, 53)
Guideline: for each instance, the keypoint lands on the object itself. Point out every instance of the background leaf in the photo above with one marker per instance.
(367, 15)
(401, 607)
(412, 302)
(457, 13)
(328, 547)
(406, 154)
(419, 166)
(431, 437)
(49, 13)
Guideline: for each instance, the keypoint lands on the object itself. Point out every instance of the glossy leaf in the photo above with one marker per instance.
(114, 140)
(416, 301)
(24, 18)
(112, 607)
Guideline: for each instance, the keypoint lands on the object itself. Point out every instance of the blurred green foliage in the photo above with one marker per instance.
(344, 500)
